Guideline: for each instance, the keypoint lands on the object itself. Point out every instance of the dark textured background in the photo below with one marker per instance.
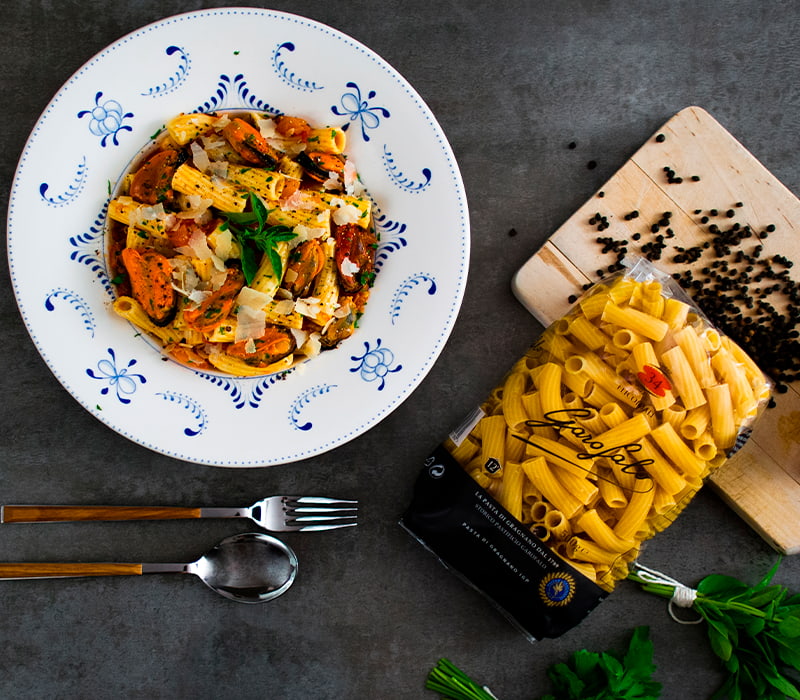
(511, 83)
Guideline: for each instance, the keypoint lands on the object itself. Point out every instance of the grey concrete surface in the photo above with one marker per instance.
(512, 83)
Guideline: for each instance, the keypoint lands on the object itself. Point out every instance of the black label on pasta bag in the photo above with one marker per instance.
(474, 536)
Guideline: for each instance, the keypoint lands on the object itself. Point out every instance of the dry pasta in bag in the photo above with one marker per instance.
(594, 441)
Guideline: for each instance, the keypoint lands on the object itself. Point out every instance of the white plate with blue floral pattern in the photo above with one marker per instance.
(228, 59)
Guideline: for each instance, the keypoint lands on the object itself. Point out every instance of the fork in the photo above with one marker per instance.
(274, 513)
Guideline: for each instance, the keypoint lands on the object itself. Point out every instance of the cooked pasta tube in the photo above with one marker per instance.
(187, 127)
(223, 196)
(329, 139)
(235, 366)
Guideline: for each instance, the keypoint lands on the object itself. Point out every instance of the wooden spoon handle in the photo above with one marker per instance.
(43, 514)
(66, 570)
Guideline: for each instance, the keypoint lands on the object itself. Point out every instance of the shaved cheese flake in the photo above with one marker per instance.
(310, 307)
(349, 268)
(312, 346)
(284, 307)
(250, 323)
(250, 346)
(347, 214)
(194, 206)
(266, 127)
(352, 183)
(199, 157)
(218, 170)
(332, 183)
(300, 336)
(306, 233)
(222, 122)
(147, 213)
(299, 199)
(223, 243)
(252, 298)
(290, 275)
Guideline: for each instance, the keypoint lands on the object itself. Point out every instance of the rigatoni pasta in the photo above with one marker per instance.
(622, 409)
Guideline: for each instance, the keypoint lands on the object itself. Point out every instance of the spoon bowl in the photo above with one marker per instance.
(249, 568)
(252, 567)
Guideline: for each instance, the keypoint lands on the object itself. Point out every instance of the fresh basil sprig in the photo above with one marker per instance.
(255, 237)
(754, 630)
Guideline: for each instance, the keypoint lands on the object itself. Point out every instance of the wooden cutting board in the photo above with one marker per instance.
(762, 481)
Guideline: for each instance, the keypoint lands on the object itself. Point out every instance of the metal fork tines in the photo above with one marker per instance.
(294, 513)
(316, 512)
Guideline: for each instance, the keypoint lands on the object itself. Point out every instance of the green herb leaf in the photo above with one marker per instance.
(255, 237)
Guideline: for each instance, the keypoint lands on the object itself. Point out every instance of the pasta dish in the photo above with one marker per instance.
(242, 242)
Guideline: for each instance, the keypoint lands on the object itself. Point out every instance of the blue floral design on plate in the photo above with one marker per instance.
(402, 292)
(175, 80)
(356, 107)
(76, 302)
(123, 381)
(79, 180)
(89, 250)
(245, 391)
(239, 86)
(400, 179)
(283, 71)
(390, 235)
(303, 400)
(192, 406)
(375, 364)
(106, 119)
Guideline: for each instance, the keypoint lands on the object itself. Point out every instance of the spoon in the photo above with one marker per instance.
(249, 568)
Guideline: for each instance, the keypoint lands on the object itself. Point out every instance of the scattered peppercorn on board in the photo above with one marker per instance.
(690, 199)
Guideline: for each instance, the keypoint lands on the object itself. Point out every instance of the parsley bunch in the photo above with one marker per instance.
(586, 676)
(608, 676)
(254, 236)
(754, 630)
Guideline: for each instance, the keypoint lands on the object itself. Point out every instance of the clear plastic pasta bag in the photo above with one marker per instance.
(595, 440)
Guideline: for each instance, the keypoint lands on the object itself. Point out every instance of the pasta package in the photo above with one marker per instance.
(594, 441)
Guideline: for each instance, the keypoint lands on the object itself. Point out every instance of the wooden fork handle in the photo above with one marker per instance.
(66, 570)
(53, 514)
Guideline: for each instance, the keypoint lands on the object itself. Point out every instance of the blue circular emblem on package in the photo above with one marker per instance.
(557, 589)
